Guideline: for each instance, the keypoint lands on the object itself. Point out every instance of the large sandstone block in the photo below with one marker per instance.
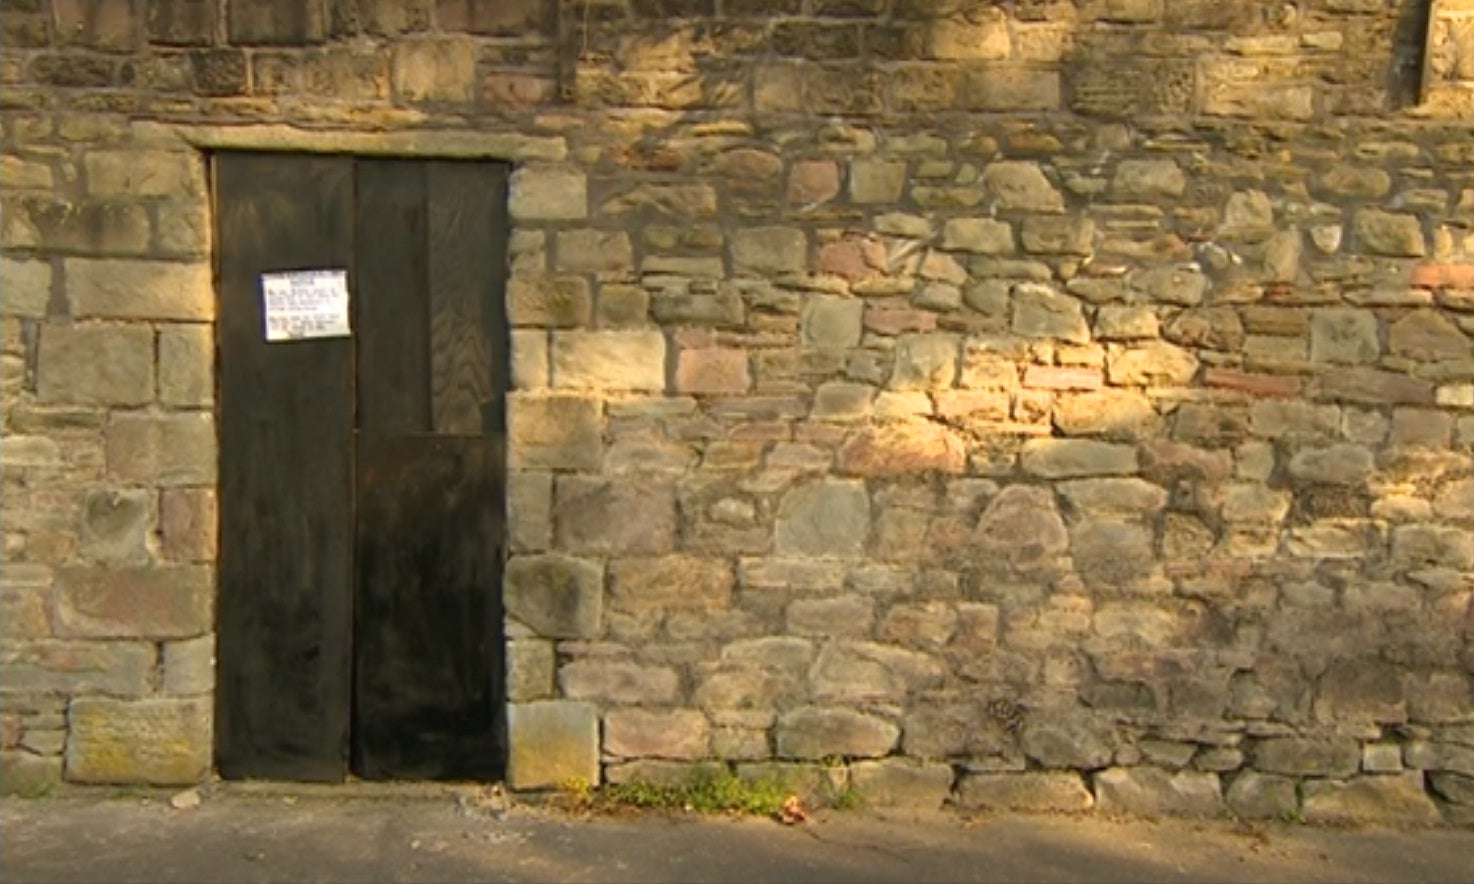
(110, 227)
(164, 450)
(763, 251)
(166, 602)
(1032, 792)
(115, 525)
(548, 193)
(647, 733)
(1388, 800)
(120, 668)
(95, 364)
(554, 595)
(145, 173)
(896, 782)
(186, 369)
(25, 287)
(439, 70)
(139, 289)
(609, 360)
(552, 743)
(156, 741)
(1071, 458)
(187, 524)
(620, 517)
(554, 432)
(813, 732)
(829, 518)
(1151, 791)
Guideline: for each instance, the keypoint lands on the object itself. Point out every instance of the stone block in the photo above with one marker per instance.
(895, 782)
(164, 450)
(1022, 526)
(107, 25)
(437, 70)
(646, 733)
(594, 251)
(815, 733)
(982, 35)
(1032, 792)
(617, 681)
(1181, 286)
(145, 173)
(1113, 414)
(165, 602)
(1453, 788)
(181, 22)
(500, 18)
(826, 519)
(877, 181)
(530, 366)
(983, 236)
(87, 228)
(1151, 791)
(120, 668)
(1021, 184)
(1342, 464)
(156, 741)
(1393, 234)
(275, 22)
(531, 664)
(25, 287)
(555, 301)
(903, 448)
(609, 360)
(187, 524)
(548, 193)
(1346, 336)
(766, 251)
(554, 432)
(1151, 364)
(1057, 235)
(713, 371)
(813, 181)
(1307, 756)
(1373, 387)
(189, 665)
(1064, 739)
(1148, 180)
(1378, 800)
(1256, 796)
(1111, 552)
(619, 517)
(925, 362)
(1069, 458)
(530, 511)
(116, 524)
(1428, 335)
(1041, 312)
(832, 323)
(669, 583)
(95, 364)
(186, 370)
(555, 595)
(28, 776)
(552, 743)
(850, 615)
(1010, 87)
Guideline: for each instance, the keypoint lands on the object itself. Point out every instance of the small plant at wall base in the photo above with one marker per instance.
(723, 792)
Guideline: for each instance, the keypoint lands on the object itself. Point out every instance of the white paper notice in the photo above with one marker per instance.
(305, 304)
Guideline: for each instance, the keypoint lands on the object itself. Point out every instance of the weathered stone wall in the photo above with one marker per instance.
(1045, 404)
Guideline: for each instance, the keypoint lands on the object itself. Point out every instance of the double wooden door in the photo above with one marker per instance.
(362, 476)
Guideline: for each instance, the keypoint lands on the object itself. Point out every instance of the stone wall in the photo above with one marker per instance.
(1037, 404)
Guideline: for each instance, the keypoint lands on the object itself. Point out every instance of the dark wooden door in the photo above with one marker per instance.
(362, 480)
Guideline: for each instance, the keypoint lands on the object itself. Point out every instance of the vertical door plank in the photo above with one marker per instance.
(286, 478)
(467, 255)
(428, 620)
(392, 298)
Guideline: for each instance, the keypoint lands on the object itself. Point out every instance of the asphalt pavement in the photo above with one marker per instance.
(347, 835)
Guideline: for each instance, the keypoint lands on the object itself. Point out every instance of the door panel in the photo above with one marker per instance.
(286, 479)
(466, 261)
(428, 649)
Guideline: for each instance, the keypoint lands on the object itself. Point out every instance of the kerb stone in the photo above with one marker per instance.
(1041, 792)
(895, 782)
(1151, 791)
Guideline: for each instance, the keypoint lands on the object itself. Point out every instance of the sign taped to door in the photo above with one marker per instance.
(302, 304)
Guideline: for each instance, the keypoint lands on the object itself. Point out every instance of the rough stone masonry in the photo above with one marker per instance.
(1032, 404)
